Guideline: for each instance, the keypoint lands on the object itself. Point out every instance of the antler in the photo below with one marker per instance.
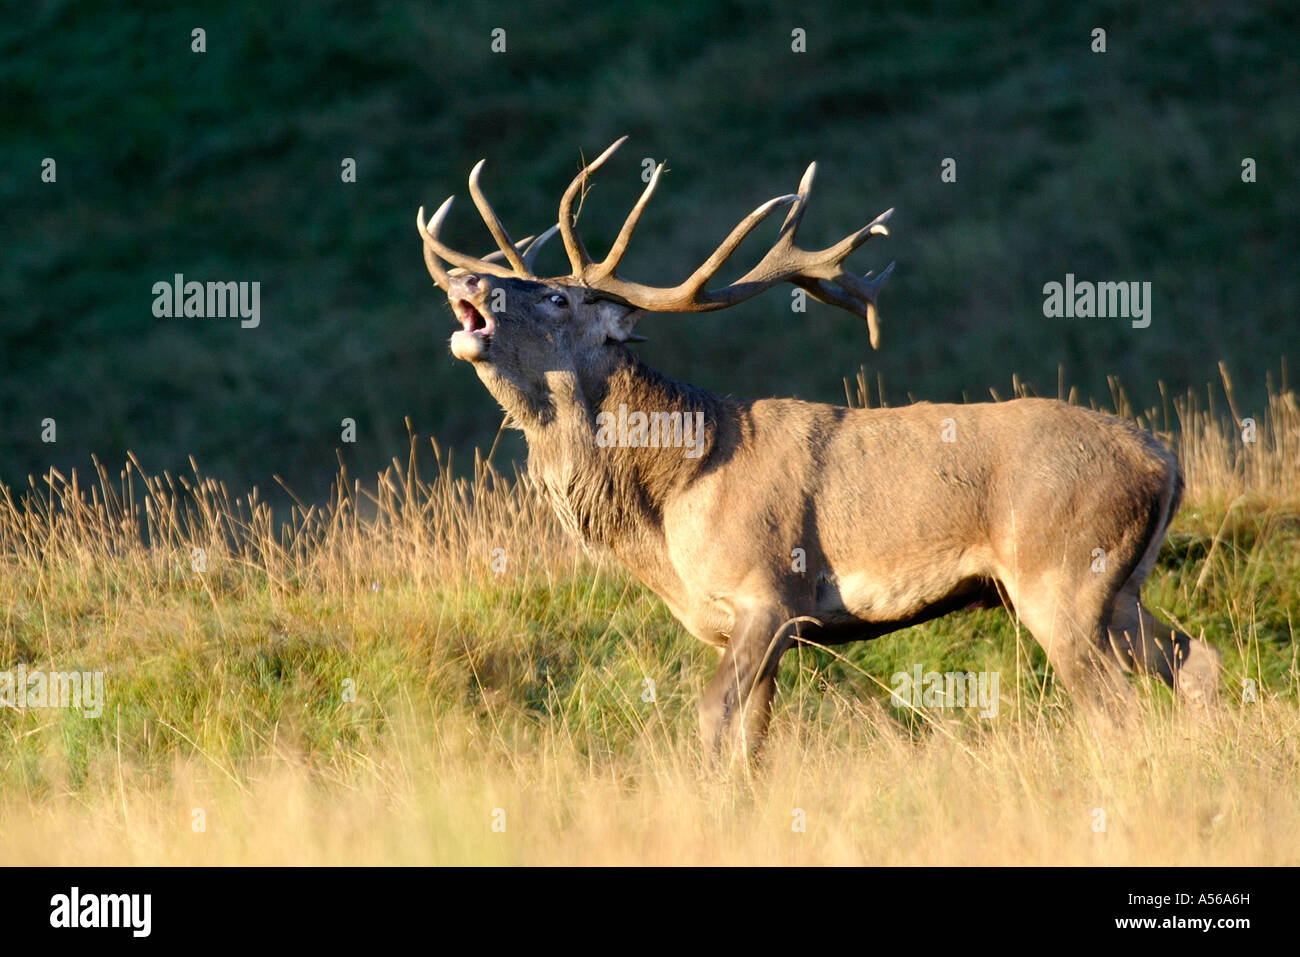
(521, 255)
(820, 272)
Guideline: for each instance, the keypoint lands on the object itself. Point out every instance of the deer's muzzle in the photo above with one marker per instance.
(468, 298)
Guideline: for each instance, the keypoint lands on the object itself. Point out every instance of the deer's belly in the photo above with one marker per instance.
(882, 604)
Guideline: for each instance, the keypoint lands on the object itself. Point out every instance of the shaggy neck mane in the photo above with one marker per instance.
(613, 494)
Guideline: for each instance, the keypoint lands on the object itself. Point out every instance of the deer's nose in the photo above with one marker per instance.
(466, 287)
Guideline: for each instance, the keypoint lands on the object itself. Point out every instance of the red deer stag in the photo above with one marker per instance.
(902, 514)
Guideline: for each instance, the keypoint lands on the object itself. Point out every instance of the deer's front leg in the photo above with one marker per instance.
(737, 703)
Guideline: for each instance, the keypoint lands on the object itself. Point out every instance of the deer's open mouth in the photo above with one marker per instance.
(472, 340)
(473, 320)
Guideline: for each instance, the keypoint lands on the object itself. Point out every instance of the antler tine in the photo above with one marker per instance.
(497, 255)
(821, 272)
(864, 287)
(840, 250)
(857, 294)
(785, 252)
(787, 261)
(529, 245)
(578, 257)
(436, 270)
(710, 266)
(790, 227)
(530, 254)
(493, 221)
(610, 263)
(444, 252)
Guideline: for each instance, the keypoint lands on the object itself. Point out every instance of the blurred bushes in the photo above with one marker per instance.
(226, 165)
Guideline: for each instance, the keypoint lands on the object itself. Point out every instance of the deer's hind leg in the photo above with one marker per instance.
(1145, 644)
(1068, 620)
(1064, 596)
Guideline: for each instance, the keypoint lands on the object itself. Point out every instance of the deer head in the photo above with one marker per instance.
(522, 332)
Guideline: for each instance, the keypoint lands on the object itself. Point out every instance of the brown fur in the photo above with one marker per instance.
(897, 525)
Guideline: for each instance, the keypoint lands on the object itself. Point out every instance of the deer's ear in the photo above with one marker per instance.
(618, 321)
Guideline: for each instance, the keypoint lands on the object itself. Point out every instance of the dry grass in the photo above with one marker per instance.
(1171, 792)
(478, 687)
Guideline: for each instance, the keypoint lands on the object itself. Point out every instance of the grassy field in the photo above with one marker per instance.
(372, 681)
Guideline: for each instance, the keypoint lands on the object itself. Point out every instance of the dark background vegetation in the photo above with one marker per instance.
(225, 166)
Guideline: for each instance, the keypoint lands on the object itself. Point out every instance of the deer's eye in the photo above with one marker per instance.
(558, 300)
